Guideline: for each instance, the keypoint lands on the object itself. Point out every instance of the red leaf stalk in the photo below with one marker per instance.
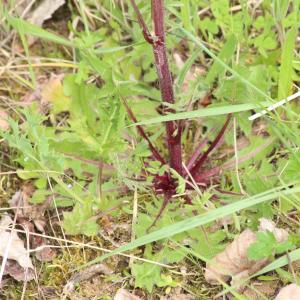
(197, 167)
(141, 131)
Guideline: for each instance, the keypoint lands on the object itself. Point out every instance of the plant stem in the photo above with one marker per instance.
(166, 85)
(173, 128)
(143, 134)
(197, 167)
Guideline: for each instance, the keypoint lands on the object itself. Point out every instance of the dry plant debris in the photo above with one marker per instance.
(191, 75)
(38, 15)
(3, 120)
(290, 292)
(12, 247)
(123, 294)
(259, 288)
(84, 275)
(234, 263)
(32, 218)
(44, 11)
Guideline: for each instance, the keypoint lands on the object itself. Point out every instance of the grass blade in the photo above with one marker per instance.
(196, 221)
(285, 80)
(28, 28)
(199, 43)
(207, 112)
(225, 54)
(280, 262)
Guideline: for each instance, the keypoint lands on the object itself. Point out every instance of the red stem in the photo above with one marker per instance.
(143, 134)
(166, 86)
(196, 169)
(173, 128)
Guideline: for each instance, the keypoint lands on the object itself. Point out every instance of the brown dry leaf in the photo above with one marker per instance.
(44, 11)
(44, 252)
(234, 263)
(39, 15)
(123, 294)
(31, 217)
(3, 120)
(13, 269)
(25, 210)
(290, 292)
(267, 225)
(220, 223)
(177, 293)
(17, 250)
(258, 288)
(20, 203)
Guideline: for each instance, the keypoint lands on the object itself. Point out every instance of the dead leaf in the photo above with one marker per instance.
(257, 288)
(16, 249)
(234, 263)
(123, 294)
(44, 11)
(20, 202)
(3, 120)
(13, 269)
(267, 225)
(31, 217)
(44, 252)
(220, 223)
(178, 296)
(35, 95)
(39, 15)
(290, 292)
(22, 7)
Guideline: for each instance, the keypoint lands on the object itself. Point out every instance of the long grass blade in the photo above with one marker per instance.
(207, 112)
(203, 219)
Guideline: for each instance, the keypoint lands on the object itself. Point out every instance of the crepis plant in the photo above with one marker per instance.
(166, 184)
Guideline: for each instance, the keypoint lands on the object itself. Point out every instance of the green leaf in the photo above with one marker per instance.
(203, 219)
(28, 28)
(263, 247)
(148, 275)
(200, 44)
(226, 52)
(81, 220)
(286, 67)
(184, 70)
(280, 262)
(267, 245)
(39, 196)
(207, 244)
